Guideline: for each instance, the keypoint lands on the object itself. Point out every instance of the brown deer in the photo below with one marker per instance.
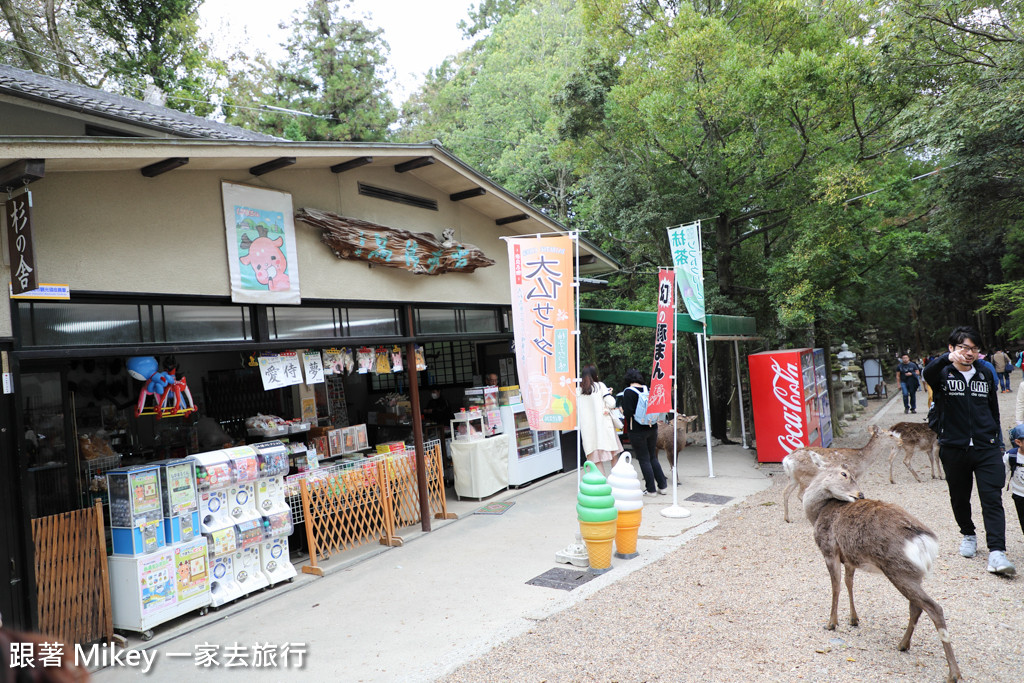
(802, 464)
(665, 437)
(914, 437)
(868, 534)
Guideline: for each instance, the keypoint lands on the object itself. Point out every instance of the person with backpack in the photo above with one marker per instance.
(966, 418)
(642, 429)
(1003, 365)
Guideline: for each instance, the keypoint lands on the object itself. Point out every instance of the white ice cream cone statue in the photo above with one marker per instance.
(629, 501)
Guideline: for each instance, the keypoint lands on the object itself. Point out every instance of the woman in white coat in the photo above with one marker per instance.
(597, 430)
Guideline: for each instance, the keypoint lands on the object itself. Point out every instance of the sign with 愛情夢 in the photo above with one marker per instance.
(544, 323)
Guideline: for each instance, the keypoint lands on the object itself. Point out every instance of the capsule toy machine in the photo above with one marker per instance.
(180, 500)
(277, 514)
(245, 465)
(221, 546)
(136, 510)
(213, 478)
(246, 560)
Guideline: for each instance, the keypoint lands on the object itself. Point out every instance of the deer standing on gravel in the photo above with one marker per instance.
(804, 463)
(665, 438)
(869, 534)
(914, 437)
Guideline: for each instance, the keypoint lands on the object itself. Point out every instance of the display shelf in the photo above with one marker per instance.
(531, 454)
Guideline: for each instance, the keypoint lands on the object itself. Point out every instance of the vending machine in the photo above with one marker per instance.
(136, 510)
(277, 515)
(180, 500)
(790, 399)
(156, 574)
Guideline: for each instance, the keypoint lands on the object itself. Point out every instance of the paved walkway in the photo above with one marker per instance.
(416, 612)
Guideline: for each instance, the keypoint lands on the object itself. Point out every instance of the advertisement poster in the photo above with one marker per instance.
(544, 323)
(660, 399)
(156, 583)
(181, 492)
(262, 258)
(193, 576)
(684, 242)
(145, 492)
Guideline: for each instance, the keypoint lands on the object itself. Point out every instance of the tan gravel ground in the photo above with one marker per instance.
(748, 601)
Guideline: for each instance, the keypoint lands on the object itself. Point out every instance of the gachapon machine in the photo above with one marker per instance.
(180, 500)
(275, 561)
(222, 544)
(246, 560)
(136, 510)
(270, 489)
(242, 493)
(213, 477)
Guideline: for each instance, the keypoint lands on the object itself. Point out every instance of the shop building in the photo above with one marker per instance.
(128, 221)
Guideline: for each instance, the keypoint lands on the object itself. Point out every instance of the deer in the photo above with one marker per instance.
(876, 536)
(914, 437)
(665, 437)
(802, 464)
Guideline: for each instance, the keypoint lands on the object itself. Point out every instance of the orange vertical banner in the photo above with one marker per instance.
(544, 323)
(660, 400)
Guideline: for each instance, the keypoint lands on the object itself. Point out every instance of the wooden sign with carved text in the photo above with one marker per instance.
(19, 238)
(418, 252)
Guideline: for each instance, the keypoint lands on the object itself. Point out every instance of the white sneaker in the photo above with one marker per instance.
(969, 546)
(999, 564)
(663, 492)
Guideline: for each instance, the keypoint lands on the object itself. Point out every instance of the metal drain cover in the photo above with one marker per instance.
(561, 578)
(709, 498)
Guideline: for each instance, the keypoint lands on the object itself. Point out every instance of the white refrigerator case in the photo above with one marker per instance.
(531, 455)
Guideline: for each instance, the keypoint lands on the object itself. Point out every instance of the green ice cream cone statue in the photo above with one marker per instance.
(595, 508)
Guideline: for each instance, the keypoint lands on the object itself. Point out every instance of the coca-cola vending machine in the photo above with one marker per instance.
(790, 397)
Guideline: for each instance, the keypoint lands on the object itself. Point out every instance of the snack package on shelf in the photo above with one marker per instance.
(266, 425)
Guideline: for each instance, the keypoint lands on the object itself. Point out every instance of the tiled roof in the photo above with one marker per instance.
(32, 86)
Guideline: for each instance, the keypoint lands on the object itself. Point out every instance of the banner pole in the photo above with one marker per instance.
(702, 350)
(674, 511)
(739, 393)
(576, 283)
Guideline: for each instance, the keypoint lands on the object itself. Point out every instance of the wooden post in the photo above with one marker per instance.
(312, 567)
(417, 425)
(105, 607)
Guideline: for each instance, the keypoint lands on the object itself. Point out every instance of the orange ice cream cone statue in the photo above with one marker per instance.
(597, 514)
(628, 495)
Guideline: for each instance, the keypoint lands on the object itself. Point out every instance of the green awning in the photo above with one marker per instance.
(719, 326)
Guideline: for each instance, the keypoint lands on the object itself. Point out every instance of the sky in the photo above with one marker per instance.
(421, 33)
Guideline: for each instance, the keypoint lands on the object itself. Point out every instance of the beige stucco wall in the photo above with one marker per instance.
(122, 232)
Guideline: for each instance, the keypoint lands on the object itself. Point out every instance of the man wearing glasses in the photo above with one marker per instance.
(967, 402)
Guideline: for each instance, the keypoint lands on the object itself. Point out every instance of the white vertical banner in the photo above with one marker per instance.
(684, 241)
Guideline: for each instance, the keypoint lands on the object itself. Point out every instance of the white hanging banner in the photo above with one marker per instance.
(313, 367)
(280, 371)
(684, 241)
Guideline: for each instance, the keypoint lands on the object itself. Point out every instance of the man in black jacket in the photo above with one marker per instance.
(967, 400)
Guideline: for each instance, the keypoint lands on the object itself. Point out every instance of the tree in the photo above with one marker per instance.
(333, 81)
(123, 45)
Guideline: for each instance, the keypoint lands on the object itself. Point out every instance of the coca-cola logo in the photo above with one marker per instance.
(786, 389)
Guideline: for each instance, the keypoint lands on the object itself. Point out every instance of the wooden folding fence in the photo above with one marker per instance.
(350, 506)
(72, 585)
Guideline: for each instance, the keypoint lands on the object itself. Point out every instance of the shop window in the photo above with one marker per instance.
(303, 323)
(201, 323)
(456, 320)
(371, 322)
(66, 324)
(447, 363)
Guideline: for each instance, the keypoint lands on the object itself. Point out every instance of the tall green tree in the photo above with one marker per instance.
(333, 81)
(126, 46)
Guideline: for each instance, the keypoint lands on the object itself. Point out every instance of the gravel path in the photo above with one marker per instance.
(748, 601)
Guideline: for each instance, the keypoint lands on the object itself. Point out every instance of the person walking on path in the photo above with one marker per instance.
(1013, 461)
(907, 373)
(1003, 365)
(967, 424)
(642, 438)
(597, 431)
(1018, 413)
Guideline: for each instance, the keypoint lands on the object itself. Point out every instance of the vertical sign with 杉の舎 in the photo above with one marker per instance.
(19, 237)
(544, 322)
